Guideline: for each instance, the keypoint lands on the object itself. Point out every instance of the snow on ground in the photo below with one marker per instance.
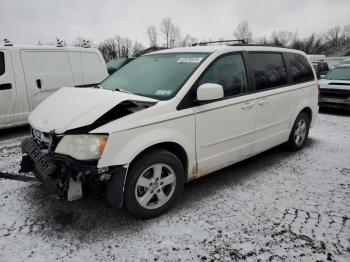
(277, 206)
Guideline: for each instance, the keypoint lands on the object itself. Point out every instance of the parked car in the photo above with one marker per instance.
(345, 62)
(28, 75)
(169, 117)
(114, 64)
(321, 68)
(335, 88)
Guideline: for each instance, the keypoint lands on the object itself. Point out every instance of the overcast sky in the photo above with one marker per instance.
(27, 21)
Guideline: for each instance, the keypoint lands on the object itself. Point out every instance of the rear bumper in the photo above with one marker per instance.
(334, 103)
(55, 171)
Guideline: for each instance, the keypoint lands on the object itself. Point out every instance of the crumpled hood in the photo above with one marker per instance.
(70, 108)
(334, 84)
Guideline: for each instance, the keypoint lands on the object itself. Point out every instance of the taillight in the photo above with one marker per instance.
(318, 89)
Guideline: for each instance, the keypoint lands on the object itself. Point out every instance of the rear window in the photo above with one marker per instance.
(2, 63)
(269, 70)
(339, 73)
(300, 68)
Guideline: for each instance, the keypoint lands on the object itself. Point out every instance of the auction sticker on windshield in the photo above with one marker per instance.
(164, 92)
(191, 60)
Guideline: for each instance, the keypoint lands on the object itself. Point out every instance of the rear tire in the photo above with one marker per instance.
(300, 132)
(153, 184)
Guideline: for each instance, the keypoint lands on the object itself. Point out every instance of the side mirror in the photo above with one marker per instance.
(210, 91)
(322, 76)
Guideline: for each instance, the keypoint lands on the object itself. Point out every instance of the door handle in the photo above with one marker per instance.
(38, 83)
(263, 101)
(6, 86)
(247, 105)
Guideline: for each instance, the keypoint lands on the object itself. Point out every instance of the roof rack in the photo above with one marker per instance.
(86, 43)
(241, 41)
(59, 42)
(7, 42)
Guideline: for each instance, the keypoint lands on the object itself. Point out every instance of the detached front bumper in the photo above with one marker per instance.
(64, 176)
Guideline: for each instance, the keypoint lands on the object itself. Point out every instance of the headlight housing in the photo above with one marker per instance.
(82, 147)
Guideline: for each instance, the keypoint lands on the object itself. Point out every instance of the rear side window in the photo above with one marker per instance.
(228, 71)
(2, 63)
(300, 68)
(269, 70)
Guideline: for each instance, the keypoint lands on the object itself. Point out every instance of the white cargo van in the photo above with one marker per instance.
(29, 74)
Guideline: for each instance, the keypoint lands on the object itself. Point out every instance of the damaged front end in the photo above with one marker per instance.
(63, 151)
(65, 176)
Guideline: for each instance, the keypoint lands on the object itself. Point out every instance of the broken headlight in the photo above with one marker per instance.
(82, 147)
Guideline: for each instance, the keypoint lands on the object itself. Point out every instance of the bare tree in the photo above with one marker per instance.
(170, 31)
(346, 31)
(123, 46)
(334, 35)
(281, 38)
(152, 35)
(262, 40)
(166, 27)
(188, 40)
(243, 32)
(136, 49)
(108, 49)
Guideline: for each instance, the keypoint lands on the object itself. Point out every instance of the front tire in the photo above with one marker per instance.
(153, 184)
(299, 134)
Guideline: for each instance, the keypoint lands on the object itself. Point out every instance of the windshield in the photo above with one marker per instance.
(345, 62)
(158, 76)
(339, 73)
(116, 63)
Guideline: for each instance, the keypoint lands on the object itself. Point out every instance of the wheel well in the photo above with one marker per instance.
(308, 111)
(172, 147)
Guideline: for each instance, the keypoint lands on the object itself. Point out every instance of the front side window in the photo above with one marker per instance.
(269, 70)
(2, 63)
(229, 72)
(158, 75)
(300, 68)
(339, 73)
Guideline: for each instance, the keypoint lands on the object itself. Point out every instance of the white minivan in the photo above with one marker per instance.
(169, 117)
(29, 74)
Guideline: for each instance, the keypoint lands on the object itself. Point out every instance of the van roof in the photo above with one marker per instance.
(233, 48)
(35, 47)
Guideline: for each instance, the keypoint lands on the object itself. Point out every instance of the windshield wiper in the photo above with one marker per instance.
(122, 90)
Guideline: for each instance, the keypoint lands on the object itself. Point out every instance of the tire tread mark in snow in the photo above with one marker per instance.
(298, 226)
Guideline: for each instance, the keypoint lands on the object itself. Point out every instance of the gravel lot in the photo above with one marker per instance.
(277, 206)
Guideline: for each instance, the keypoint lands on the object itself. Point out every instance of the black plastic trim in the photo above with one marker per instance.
(115, 187)
(87, 85)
